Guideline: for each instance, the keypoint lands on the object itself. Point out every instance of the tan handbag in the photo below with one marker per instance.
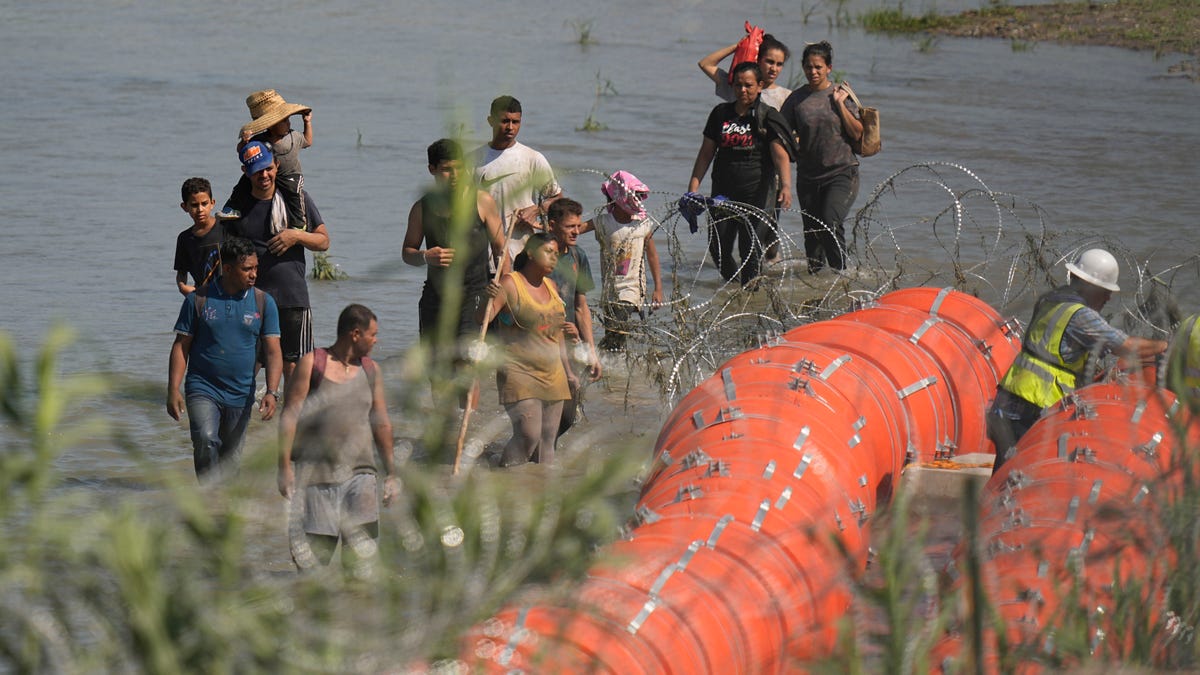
(870, 143)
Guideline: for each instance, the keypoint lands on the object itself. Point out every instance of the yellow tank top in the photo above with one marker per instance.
(532, 335)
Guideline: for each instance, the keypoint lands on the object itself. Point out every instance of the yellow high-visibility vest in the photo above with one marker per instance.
(1039, 374)
(1183, 361)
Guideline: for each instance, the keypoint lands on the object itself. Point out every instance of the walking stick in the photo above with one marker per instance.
(473, 392)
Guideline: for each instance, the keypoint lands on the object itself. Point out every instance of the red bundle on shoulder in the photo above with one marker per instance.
(747, 49)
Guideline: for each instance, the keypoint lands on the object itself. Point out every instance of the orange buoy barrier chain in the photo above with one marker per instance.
(754, 515)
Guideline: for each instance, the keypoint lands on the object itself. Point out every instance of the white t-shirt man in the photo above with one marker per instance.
(517, 177)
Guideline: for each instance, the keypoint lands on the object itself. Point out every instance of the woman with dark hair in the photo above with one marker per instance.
(772, 54)
(747, 143)
(826, 123)
(535, 378)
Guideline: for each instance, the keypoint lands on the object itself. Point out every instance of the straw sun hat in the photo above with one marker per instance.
(268, 108)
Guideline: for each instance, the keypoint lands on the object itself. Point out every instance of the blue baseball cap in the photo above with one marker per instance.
(255, 157)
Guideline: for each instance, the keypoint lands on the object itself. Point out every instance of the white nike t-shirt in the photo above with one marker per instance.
(516, 177)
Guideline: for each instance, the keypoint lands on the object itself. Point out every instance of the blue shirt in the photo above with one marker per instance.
(224, 343)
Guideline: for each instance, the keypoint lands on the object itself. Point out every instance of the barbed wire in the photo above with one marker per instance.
(933, 223)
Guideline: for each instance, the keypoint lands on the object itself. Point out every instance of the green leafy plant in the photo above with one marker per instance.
(325, 270)
(583, 30)
(604, 89)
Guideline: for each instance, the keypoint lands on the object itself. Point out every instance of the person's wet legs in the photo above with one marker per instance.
(218, 433)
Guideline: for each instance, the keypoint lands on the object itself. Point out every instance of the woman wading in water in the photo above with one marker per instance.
(535, 378)
(825, 122)
(746, 142)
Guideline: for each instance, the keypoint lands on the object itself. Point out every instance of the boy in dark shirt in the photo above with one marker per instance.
(196, 248)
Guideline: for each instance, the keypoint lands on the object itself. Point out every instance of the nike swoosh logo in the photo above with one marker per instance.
(487, 183)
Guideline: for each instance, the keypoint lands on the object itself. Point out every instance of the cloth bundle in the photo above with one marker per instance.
(692, 204)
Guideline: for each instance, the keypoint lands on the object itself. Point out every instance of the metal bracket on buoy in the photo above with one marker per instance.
(834, 365)
(919, 333)
(717, 530)
(805, 365)
(802, 438)
(997, 547)
(945, 450)
(783, 498)
(1149, 449)
(1072, 509)
(799, 383)
(1141, 494)
(1082, 454)
(644, 515)
(695, 458)
(730, 388)
(937, 301)
(1016, 479)
(916, 386)
(759, 517)
(515, 638)
(686, 492)
(768, 470)
(1011, 327)
(1138, 410)
(647, 609)
(1016, 520)
(728, 414)
(1094, 495)
(802, 467)
(859, 508)
(1082, 410)
(717, 467)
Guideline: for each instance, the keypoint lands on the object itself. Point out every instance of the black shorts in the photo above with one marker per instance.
(295, 332)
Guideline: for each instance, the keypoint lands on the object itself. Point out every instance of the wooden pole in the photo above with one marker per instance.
(473, 392)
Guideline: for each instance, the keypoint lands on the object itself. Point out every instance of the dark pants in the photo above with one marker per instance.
(1005, 432)
(752, 232)
(617, 324)
(824, 205)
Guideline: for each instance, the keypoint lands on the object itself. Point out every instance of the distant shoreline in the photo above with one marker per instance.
(1162, 26)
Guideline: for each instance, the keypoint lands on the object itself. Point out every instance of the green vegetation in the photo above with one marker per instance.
(926, 44)
(896, 20)
(1159, 25)
(583, 31)
(325, 270)
(604, 89)
(173, 579)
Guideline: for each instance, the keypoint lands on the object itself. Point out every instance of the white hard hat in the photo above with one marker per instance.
(1097, 267)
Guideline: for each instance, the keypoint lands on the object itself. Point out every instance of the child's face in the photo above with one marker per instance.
(446, 172)
(281, 128)
(199, 206)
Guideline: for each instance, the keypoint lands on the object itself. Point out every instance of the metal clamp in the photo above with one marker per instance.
(717, 467)
(695, 458)
(730, 388)
(916, 386)
(802, 438)
(768, 470)
(802, 467)
(718, 529)
(834, 365)
(1149, 449)
(759, 517)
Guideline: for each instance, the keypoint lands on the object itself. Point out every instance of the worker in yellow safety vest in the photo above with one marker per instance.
(1183, 361)
(1065, 331)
